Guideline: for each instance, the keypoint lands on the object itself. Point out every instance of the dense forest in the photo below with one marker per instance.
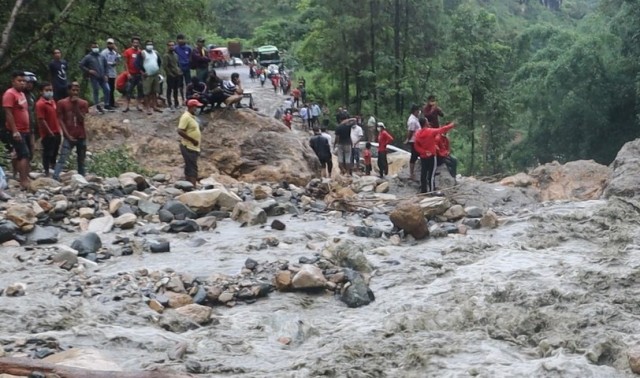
(527, 81)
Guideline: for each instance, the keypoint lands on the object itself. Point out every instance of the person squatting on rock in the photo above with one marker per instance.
(343, 145)
(190, 138)
(384, 139)
(426, 146)
(48, 127)
(95, 68)
(71, 116)
(320, 145)
(16, 112)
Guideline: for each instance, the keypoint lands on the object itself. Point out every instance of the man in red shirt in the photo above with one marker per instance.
(133, 72)
(71, 112)
(384, 138)
(445, 157)
(427, 148)
(48, 127)
(16, 112)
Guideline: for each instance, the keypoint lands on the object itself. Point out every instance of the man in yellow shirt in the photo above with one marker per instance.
(189, 131)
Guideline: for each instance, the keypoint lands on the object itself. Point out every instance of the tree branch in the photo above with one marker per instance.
(6, 33)
(39, 35)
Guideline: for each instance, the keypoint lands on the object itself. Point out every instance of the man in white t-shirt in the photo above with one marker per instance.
(413, 125)
(304, 114)
(356, 137)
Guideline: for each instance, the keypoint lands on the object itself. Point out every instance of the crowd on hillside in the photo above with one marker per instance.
(53, 112)
(425, 138)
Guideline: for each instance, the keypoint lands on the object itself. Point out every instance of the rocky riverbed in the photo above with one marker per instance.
(356, 277)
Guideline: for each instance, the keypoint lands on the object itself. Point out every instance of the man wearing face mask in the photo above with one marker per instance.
(95, 67)
(134, 81)
(71, 113)
(112, 56)
(149, 63)
(48, 127)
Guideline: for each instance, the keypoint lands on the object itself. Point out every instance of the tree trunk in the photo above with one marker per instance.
(473, 137)
(8, 28)
(396, 54)
(374, 83)
(25, 367)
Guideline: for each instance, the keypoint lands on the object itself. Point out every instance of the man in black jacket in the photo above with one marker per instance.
(320, 145)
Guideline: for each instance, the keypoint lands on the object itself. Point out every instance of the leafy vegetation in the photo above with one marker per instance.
(526, 83)
(114, 162)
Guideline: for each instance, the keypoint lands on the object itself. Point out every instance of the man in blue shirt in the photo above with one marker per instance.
(184, 59)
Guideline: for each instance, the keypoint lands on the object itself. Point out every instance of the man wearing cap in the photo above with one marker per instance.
(200, 60)
(384, 138)
(94, 66)
(183, 50)
(189, 131)
(113, 57)
(17, 123)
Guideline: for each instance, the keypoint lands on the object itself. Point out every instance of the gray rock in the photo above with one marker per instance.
(174, 322)
(184, 185)
(366, 232)
(276, 211)
(101, 225)
(449, 228)
(148, 208)
(159, 247)
(179, 210)
(250, 263)
(165, 216)
(347, 254)
(473, 212)
(8, 230)
(356, 293)
(124, 209)
(200, 296)
(160, 177)
(278, 225)
(87, 243)
(219, 214)
(186, 225)
(473, 223)
(249, 213)
(43, 235)
(309, 277)
(126, 221)
(65, 259)
(267, 204)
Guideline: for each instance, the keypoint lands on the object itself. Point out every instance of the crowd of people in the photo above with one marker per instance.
(53, 112)
(425, 139)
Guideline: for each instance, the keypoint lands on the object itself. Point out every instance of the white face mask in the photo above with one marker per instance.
(149, 48)
(379, 129)
(47, 95)
(95, 50)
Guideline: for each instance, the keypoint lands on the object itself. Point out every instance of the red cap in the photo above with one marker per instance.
(194, 103)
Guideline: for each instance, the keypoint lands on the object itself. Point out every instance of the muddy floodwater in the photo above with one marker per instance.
(552, 292)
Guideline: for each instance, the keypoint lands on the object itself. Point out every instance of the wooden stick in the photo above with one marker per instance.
(26, 366)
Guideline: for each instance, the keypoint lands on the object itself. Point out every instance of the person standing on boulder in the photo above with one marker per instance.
(427, 148)
(48, 126)
(16, 113)
(190, 138)
(71, 114)
(343, 145)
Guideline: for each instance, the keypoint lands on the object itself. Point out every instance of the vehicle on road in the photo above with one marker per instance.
(235, 61)
(268, 55)
(219, 56)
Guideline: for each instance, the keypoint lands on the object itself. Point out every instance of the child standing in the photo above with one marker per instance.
(367, 158)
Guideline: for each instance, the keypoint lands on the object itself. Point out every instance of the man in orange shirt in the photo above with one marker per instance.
(48, 127)
(16, 112)
(71, 113)
(133, 72)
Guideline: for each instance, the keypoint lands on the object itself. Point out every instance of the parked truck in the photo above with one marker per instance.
(235, 49)
(268, 55)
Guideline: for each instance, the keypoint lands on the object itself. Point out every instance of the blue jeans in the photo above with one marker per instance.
(67, 146)
(96, 84)
(186, 75)
(355, 156)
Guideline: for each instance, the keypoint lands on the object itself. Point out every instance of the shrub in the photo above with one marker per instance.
(114, 162)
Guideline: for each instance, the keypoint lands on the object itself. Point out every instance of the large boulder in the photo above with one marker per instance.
(410, 218)
(197, 313)
(249, 213)
(131, 181)
(8, 230)
(472, 192)
(434, 206)
(348, 254)
(576, 180)
(87, 243)
(101, 225)
(43, 183)
(201, 201)
(44, 235)
(23, 216)
(179, 210)
(309, 277)
(625, 179)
